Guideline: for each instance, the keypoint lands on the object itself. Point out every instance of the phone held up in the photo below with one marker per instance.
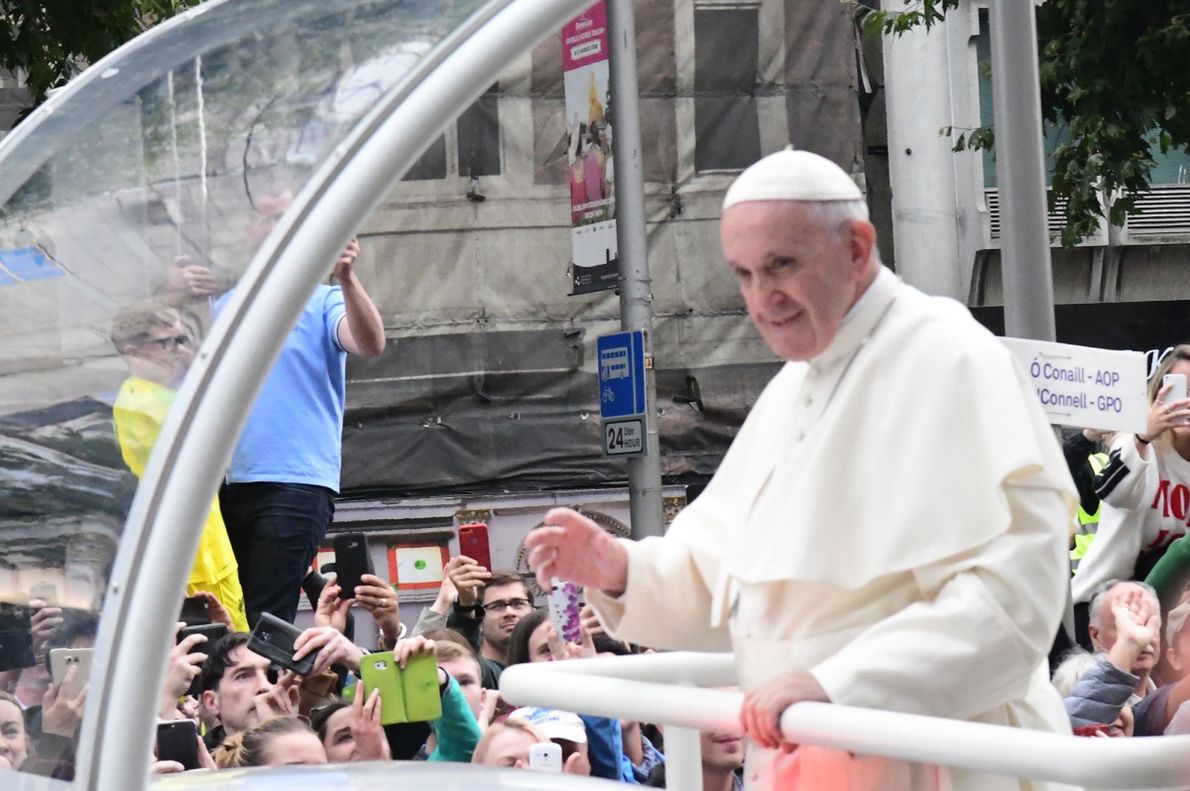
(273, 638)
(545, 757)
(473, 543)
(177, 740)
(1177, 385)
(352, 562)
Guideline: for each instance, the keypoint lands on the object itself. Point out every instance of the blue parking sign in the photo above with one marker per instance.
(621, 374)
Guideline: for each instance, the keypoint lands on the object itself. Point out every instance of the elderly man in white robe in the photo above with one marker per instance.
(887, 530)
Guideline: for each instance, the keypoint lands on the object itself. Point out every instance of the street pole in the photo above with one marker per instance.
(1020, 172)
(636, 299)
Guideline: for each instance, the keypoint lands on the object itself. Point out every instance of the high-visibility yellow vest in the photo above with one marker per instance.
(1088, 523)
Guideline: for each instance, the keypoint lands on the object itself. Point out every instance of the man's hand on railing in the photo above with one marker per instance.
(572, 547)
(760, 716)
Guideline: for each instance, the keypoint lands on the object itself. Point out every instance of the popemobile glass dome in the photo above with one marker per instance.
(252, 137)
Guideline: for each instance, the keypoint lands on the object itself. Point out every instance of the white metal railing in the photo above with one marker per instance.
(664, 688)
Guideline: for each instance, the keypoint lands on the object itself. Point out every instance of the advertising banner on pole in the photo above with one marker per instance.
(594, 252)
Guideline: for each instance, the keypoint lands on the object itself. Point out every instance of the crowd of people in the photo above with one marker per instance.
(943, 598)
(249, 712)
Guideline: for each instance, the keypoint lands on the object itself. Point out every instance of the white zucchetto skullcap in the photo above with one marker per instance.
(792, 175)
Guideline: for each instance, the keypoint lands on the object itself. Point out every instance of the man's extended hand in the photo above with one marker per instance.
(760, 715)
(468, 577)
(1138, 628)
(572, 547)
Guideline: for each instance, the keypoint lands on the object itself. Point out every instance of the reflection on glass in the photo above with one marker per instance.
(125, 215)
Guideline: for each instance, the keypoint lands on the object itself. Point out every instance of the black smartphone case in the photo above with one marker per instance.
(178, 741)
(214, 632)
(352, 562)
(195, 611)
(273, 639)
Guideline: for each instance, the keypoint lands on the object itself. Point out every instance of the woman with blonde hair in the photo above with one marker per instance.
(1145, 488)
(277, 742)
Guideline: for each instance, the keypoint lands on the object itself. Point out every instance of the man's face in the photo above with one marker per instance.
(798, 277)
(165, 356)
(1105, 637)
(234, 699)
(721, 752)
(467, 675)
(503, 608)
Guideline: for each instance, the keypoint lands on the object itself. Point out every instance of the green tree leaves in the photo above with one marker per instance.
(1113, 73)
(52, 40)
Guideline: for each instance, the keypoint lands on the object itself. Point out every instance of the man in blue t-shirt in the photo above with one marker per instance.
(279, 497)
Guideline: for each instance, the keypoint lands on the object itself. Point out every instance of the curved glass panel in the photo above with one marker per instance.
(129, 206)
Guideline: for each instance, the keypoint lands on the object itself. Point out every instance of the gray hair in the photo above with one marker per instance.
(1102, 589)
(838, 214)
(1074, 666)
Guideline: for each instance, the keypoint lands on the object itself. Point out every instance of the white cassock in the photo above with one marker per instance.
(892, 518)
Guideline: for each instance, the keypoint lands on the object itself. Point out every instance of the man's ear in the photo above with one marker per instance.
(1093, 631)
(210, 701)
(861, 238)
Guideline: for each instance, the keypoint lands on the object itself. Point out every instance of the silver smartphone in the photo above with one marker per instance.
(545, 757)
(1178, 390)
(61, 660)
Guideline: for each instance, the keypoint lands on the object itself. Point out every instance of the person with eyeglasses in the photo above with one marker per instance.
(151, 341)
(487, 608)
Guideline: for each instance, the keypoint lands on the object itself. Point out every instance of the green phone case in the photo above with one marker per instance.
(419, 681)
(380, 671)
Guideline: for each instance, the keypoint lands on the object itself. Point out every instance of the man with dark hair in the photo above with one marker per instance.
(489, 606)
(239, 689)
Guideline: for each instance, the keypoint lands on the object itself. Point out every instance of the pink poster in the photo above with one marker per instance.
(591, 166)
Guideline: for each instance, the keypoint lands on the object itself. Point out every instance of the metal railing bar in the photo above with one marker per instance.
(1142, 763)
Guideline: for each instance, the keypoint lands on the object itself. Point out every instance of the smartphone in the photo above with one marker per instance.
(419, 684)
(16, 637)
(196, 610)
(177, 740)
(545, 757)
(61, 660)
(380, 671)
(213, 632)
(352, 562)
(473, 542)
(1178, 391)
(273, 639)
(564, 602)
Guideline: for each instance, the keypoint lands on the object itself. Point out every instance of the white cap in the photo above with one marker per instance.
(792, 175)
(552, 723)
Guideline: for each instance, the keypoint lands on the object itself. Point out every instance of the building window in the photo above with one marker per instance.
(475, 138)
(726, 52)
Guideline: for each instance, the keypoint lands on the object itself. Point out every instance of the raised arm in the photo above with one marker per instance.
(361, 331)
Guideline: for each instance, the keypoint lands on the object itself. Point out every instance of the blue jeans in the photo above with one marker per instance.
(275, 531)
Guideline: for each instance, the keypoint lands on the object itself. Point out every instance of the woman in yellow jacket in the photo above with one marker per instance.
(152, 342)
